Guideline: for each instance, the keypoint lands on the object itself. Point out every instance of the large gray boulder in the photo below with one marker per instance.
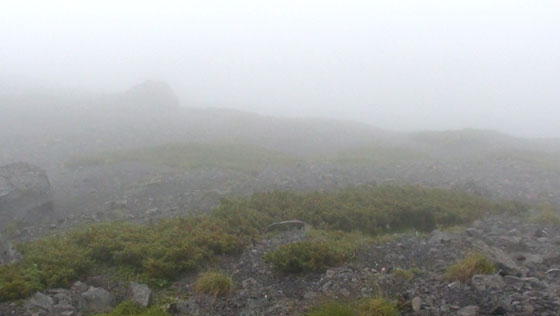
(140, 294)
(39, 304)
(7, 252)
(98, 300)
(25, 194)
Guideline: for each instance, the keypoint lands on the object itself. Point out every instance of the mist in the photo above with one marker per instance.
(400, 66)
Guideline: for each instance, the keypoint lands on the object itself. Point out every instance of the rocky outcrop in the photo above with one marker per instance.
(25, 194)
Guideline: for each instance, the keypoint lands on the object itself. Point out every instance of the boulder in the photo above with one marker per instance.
(7, 252)
(188, 307)
(98, 300)
(39, 304)
(505, 263)
(25, 194)
(140, 294)
(437, 237)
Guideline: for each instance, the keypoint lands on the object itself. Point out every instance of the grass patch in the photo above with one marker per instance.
(371, 306)
(471, 265)
(547, 215)
(377, 306)
(214, 284)
(333, 309)
(305, 256)
(128, 308)
(322, 250)
(242, 157)
(373, 211)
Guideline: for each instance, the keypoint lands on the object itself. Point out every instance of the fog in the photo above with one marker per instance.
(406, 65)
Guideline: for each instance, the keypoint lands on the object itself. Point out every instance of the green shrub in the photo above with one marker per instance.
(305, 256)
(367, 307)
(214, 284)
(471, 265)
(17, 281)
(378, 307)
(333, 309)
(404, 274)
(128, 308)
(155, 254)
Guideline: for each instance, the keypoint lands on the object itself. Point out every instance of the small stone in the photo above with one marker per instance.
(416, 304)
(468, 311)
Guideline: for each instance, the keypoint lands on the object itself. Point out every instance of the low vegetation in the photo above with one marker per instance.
(548, 215)
(162, 252)
(471, 265)
(333, 309)
(322, 249)
(242, 157)
(372, 306)
(128, 308)
(214, 284)
(406, 274)
(305, 256)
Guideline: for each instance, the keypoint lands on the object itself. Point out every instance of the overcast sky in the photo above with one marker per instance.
(395, 64)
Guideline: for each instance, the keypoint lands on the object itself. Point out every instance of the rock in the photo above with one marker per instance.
(7, 252)
(248, 283)
(473, 232)
(485, 282)
(79, 287)
(61, 308)
(288, 225)
(416, 304)
(528, 258)
(188, 307)
(502, 260)
(25, 195)
(498, 310)
(39, 303)
(468, 311)
(140, 294)
(530, 280)
(541, 232)
(437, 237)
(98, 300)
